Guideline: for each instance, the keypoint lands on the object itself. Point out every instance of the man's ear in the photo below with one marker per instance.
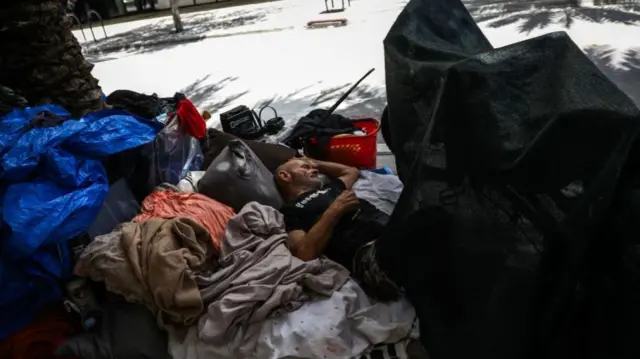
(285, 176)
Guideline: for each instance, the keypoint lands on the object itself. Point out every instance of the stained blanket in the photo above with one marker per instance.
(258, 278)
(52, 186)
(343, 326)
(151, 263)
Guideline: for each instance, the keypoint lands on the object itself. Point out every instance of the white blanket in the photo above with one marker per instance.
(343, 326)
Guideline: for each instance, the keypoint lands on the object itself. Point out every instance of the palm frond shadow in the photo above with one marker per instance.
(202, 93)
(621, 68)
(540, 14)
(364, 101)
(161, 35)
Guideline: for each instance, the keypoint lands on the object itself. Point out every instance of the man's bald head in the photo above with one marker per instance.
(296, 175)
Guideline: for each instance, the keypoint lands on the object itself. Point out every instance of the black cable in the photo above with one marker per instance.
(272, 126)
(275, 113)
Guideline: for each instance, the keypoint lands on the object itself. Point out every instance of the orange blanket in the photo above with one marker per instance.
(208, 212)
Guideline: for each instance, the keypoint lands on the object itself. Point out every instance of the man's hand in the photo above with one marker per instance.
(346, 202)
(311, 162)
(348, 175)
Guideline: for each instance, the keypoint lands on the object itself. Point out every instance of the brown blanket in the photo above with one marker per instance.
(151, 263)
(259, 277)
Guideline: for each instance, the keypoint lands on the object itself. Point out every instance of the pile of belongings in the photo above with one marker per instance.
(321, 125)
(150, 236)
(516, 235)
(512, 232)
(52, 185)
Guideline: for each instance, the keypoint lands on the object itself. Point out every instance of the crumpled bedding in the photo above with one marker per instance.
(343, 326)
(151, 263)
(381, 190)
(258, 278)
(208, 212)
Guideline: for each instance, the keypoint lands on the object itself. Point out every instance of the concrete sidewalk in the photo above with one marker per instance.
(142, 35)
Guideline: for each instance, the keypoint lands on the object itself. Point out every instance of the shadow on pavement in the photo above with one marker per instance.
(161, 35)
(532, 15)
(623, 69)
(201, 92)
(364, 101)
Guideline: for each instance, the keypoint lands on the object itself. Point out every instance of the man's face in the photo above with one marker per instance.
(302, 174)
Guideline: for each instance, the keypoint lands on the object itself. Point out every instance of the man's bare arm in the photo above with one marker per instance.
(310, 245)
(347, 174)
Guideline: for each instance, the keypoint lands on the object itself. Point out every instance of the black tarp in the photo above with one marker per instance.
(516, 234)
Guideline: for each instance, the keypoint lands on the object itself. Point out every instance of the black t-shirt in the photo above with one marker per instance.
(351, 232)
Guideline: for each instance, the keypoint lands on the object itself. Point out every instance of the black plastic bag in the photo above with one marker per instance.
(126, 331)
(511, 160)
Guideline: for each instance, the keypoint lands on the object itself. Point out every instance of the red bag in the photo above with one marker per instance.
(191, 120)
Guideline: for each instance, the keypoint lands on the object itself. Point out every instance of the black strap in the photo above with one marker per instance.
(44, 119)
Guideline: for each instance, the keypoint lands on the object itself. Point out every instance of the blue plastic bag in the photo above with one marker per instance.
(105, 133)
(52, 185)
(49, 209)
(22, 147)
(26, 290)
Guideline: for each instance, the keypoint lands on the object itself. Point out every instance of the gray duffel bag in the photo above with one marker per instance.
(237, 176)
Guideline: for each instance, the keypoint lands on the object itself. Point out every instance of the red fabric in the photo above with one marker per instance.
(40, 339)
(191, 120)
(208, 212)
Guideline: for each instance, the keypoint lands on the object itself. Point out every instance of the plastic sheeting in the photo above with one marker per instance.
(505, 237)
(173, 154)
(52, 185)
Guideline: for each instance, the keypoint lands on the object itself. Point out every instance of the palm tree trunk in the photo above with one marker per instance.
(42, 60)
(175, 11)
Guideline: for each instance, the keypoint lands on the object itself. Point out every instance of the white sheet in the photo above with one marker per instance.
(340, 327)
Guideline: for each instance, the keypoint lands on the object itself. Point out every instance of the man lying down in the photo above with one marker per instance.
(326, 218)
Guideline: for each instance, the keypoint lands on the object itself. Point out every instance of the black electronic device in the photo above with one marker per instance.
(246, 124)
(242, 122)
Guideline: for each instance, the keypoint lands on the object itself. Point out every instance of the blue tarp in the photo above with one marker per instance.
(52, 185)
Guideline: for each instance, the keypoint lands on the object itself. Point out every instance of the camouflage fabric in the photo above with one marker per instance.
(42, 60)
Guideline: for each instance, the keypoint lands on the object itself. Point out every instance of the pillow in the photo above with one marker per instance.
(271, 155)
(237, 177)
